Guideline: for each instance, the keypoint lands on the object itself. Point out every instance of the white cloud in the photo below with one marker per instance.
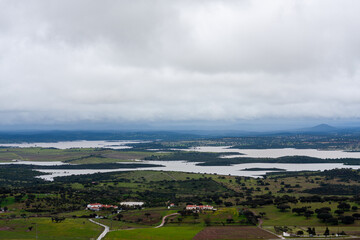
(66, 61)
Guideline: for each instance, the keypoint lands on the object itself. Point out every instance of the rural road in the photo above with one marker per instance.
(164, 219)
(106, 230)
(260, 226)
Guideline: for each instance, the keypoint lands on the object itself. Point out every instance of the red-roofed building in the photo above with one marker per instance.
(199, 207)
(99, 206)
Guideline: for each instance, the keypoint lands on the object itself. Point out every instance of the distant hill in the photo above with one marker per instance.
(175, 135)
(320, 128)
(55, 136)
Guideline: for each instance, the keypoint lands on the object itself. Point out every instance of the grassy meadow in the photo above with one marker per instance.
(46, 229)
(164, 233)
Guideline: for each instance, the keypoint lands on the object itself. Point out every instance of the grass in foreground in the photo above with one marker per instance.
(164, 233)
(69, 229)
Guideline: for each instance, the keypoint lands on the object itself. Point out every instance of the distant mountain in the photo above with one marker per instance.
(320, 128)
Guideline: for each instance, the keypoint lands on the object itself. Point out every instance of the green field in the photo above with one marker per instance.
(75, 156)
(45, 229)
(274, 217)
(29, 200)
(164, 233)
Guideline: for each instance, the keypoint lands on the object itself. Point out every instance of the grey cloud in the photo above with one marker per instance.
(66, 61)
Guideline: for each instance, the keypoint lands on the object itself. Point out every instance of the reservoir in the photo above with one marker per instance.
(277, 152)
(183, 166)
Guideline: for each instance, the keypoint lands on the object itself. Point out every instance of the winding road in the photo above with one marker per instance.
(107, 228)
(164, 219)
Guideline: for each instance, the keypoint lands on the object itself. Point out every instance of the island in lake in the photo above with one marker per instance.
(263, 169)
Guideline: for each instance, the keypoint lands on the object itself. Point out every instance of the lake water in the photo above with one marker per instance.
(191, 167)
(74, 144)
(275, 153)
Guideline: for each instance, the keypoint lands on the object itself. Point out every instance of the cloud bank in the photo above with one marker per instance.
(99, 61)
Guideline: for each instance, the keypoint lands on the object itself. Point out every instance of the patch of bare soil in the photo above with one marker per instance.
(233, 232)
(5, 228)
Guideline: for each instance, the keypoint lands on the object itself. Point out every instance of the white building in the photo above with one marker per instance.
(132, 204)
(99, 206)
(199, 207)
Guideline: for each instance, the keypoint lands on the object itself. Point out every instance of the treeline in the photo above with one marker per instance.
(214, 159)
(55, 136)
(345, 140)
(343, 174)
(61, 196)
(82, 166)
(15, 175)
(190, 156)
(335, 189)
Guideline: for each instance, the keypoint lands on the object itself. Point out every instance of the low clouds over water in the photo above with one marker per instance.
(69, 61)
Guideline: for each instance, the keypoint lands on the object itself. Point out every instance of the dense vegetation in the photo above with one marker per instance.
(215, 159)
(292, 198)
(303, 203)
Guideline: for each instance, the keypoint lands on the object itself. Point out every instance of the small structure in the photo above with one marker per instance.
(199, 207)
(285, 234)
(171, 205)
(99, 206)
(132, 204)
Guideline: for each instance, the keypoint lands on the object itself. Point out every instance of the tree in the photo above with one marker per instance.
(262, 214)
(57, 219)
(324, 216)
(323, 209)
(327, 232)
(347, 219)
(308, 213)
(283, 207)
(119, 217)
(339, 212)
(332, 221)
(229, 220)
(299, 211)
(207, 221)
(344, 206)
(311, 231)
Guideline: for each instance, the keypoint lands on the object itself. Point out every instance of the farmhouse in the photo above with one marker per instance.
(99, 206)
(132, 204)
(199, 207)
(171, 205)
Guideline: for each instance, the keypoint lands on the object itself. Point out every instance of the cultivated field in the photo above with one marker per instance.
(233, 232)
(164, 233)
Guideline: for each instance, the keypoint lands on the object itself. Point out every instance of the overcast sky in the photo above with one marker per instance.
(121, 61)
